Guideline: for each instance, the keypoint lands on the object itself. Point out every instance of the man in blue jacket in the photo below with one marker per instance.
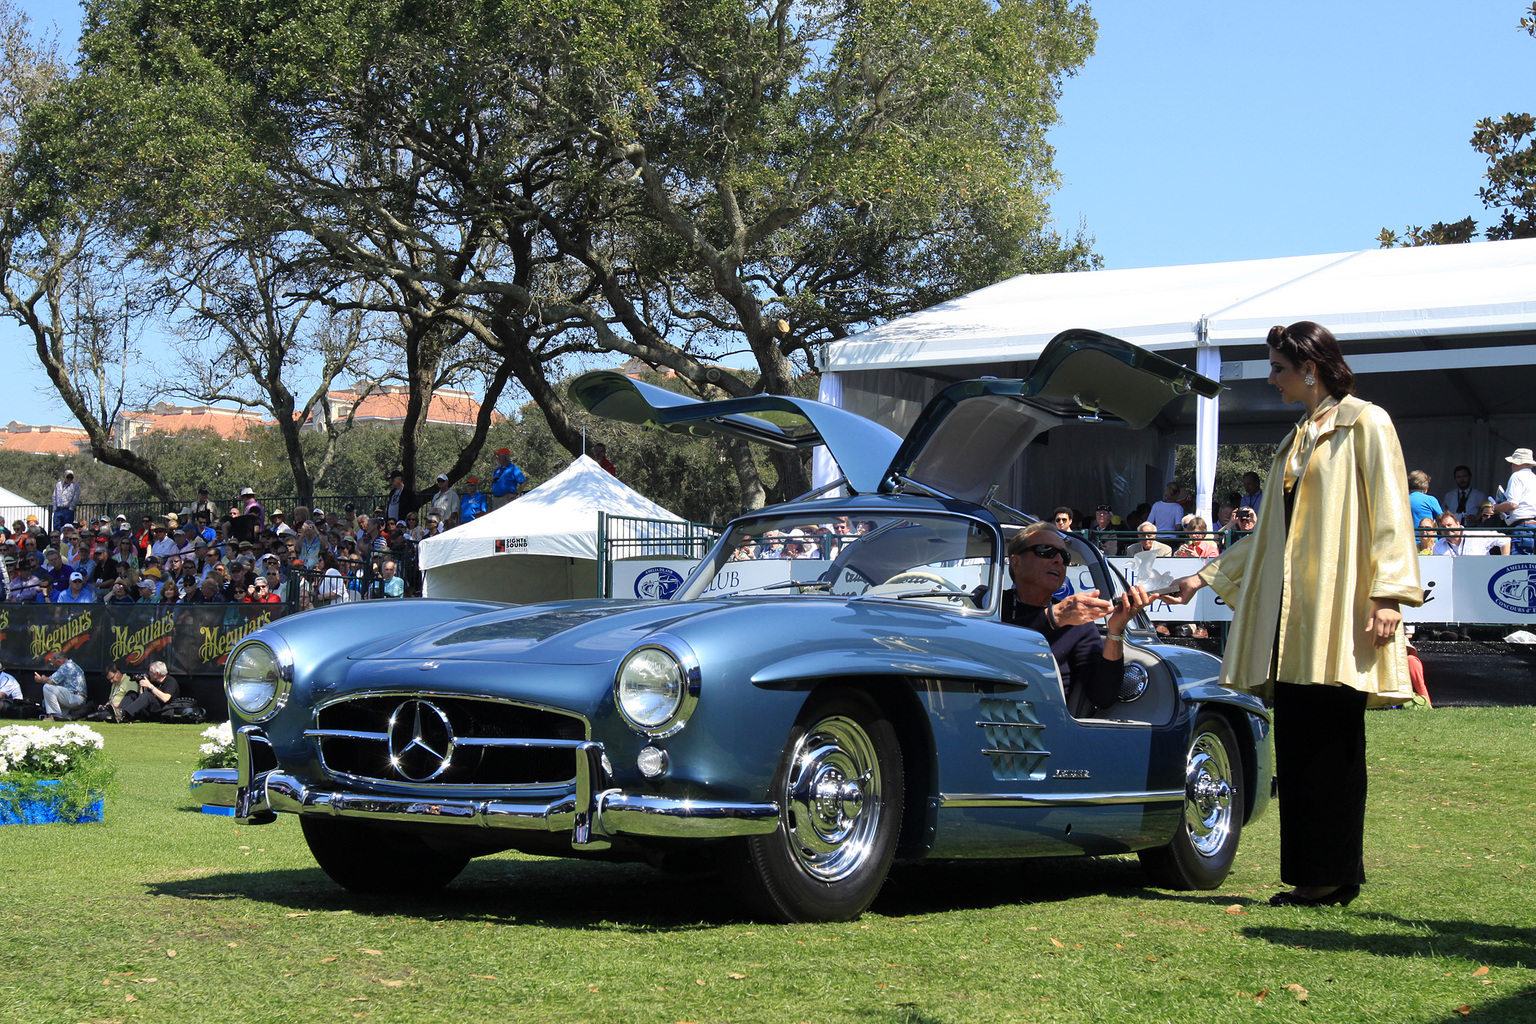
(507, 479)
(472, 505)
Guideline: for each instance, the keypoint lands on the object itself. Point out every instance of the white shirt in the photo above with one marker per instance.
(1473, 542)
(9, 687)
(1453, 501)
(1521, 491)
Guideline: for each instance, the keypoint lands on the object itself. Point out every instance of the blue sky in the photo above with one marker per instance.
(1204, 131)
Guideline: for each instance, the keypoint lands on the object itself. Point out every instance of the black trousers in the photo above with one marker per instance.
(1320, 759)
(143, 703)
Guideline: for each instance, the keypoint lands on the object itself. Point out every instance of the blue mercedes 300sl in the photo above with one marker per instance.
(833, 689)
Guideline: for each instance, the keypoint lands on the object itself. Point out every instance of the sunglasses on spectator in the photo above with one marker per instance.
(1047, 551)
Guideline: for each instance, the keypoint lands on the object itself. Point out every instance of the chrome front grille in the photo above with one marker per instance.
(432, 739)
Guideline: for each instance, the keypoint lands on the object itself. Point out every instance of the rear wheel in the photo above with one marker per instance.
(1200, 856)
(364, 858)
(840, 790)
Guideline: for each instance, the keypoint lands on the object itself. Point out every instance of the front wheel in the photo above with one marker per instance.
(840, 790)
(363, 858)
(1200, 856)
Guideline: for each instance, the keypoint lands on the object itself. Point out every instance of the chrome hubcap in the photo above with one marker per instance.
(832, 799)
(1208, 794)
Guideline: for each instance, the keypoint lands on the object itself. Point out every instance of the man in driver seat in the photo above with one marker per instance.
(1037, 560)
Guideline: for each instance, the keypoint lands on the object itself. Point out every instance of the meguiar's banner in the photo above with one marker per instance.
(193, 640)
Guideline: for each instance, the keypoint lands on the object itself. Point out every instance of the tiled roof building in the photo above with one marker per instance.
(165, 418)
(385, 406)
(42, 440)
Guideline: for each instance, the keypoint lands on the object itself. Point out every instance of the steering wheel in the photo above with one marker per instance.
(911, 576)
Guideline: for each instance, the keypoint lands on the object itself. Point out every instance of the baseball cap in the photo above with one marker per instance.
(76, 576)
(503, 451)
(443, 477)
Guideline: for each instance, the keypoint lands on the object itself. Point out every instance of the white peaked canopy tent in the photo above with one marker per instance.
(1443, 337)
(541, 547)
(13, 507)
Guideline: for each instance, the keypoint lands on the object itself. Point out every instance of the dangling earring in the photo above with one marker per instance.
(1309, 380)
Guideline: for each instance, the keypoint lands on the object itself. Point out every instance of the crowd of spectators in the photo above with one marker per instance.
(1169, 528)
(206, 554)
(1467, 522)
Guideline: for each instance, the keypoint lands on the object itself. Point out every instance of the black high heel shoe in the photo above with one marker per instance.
(1343, 896)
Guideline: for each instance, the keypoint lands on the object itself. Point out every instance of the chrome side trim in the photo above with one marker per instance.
(1059, 800)
(1020, 753)
(215, 787)
(1010, 725)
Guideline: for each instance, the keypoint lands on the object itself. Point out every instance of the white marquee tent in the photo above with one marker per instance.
(541, 547)
(13, 507)
(1443, 337)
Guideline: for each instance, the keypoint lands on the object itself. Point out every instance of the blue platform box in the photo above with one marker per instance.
(48, 812)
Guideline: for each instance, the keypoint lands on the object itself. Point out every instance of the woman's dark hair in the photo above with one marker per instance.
(1305, 341)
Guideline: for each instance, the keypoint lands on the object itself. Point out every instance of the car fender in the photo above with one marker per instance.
(1252, 724)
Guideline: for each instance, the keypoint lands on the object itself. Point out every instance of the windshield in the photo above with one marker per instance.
(948, 560)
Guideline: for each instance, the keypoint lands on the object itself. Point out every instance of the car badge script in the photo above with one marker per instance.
(420, 741)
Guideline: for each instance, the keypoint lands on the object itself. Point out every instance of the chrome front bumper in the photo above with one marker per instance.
(591, 815)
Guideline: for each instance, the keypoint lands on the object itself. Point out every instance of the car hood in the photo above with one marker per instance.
(565, 633)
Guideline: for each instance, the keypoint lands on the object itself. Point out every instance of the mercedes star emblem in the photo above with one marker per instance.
(420, 741)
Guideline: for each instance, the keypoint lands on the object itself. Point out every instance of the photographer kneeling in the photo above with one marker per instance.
(156, 690)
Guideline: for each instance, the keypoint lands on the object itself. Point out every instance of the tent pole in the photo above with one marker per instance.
(1207, 416)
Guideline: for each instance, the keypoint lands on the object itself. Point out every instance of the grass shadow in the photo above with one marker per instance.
(1493, 945)
(548, 893)
(928, 888)
(576, 894)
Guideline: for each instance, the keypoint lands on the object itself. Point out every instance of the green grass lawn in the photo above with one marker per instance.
(163, 914)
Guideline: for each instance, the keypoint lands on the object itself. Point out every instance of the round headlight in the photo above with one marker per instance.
(651, 687)
(254, 679)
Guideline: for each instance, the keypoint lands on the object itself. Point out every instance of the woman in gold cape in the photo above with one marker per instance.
(1315, 593)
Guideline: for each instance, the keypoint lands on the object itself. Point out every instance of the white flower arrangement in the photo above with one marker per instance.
(219, 751)
(33, 750)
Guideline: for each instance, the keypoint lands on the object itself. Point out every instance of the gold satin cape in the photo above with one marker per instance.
(1351, 540)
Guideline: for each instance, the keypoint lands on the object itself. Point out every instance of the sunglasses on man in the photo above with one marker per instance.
(1047, 551)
